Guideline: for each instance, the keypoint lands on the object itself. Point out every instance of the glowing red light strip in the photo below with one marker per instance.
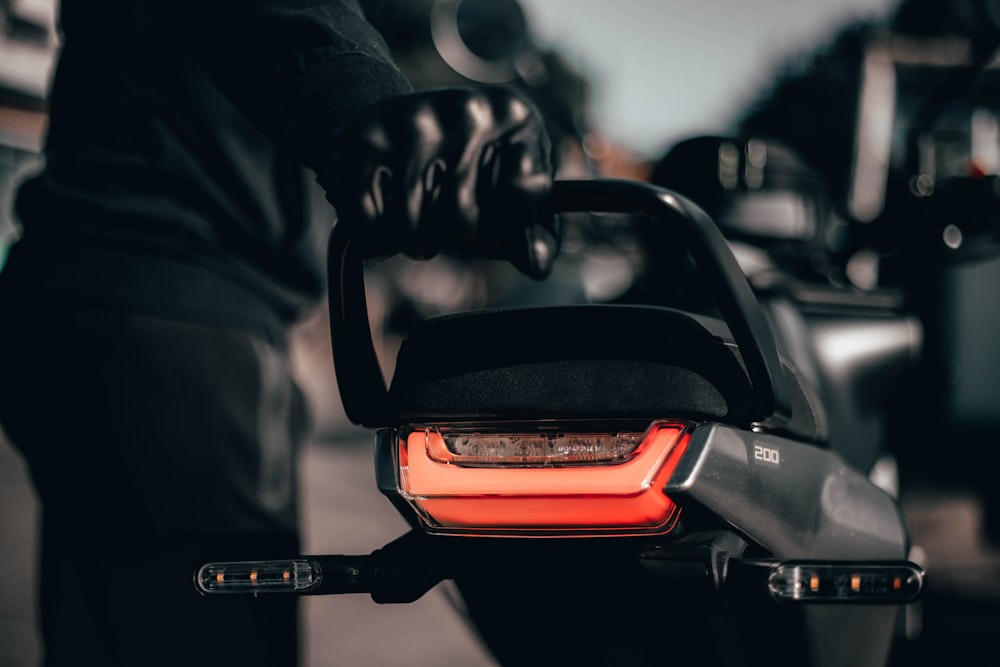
(626, 497)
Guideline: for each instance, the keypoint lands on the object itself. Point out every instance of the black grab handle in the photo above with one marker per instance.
(359, 375)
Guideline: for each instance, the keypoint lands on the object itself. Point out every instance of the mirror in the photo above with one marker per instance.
(484, 40)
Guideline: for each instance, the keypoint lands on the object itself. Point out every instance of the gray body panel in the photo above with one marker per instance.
(801, 502)
(793, 499)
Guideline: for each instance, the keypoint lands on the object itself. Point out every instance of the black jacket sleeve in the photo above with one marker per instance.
(296, 68)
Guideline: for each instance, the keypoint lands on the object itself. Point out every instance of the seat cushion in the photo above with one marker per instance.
(581, 361)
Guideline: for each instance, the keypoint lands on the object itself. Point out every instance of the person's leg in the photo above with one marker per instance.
(154, 446)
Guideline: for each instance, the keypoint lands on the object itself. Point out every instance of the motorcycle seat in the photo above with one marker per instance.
(587, 361)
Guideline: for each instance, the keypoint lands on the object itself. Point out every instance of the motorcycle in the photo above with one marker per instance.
(618, 482)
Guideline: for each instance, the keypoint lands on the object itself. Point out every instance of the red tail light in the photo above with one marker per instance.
(521, 483)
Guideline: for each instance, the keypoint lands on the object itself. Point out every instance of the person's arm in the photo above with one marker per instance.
(458, 171)
(297, 68)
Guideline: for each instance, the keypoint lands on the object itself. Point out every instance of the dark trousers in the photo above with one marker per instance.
(154, 445)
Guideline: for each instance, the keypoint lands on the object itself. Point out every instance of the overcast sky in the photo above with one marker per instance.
(663, 69)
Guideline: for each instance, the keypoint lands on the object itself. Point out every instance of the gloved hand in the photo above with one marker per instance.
(457, 171)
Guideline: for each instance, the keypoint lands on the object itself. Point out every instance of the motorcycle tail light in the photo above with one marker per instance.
(499, 482)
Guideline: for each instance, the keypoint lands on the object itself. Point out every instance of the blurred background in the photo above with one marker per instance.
(882, 102)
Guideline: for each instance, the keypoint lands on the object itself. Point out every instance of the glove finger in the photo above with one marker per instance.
(539, 249)
(513, 189)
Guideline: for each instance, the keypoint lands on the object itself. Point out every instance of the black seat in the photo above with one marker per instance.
(569, 362)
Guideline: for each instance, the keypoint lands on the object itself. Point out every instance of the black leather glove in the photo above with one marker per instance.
(457, 171)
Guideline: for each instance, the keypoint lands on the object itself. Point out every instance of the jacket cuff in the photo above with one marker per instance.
(331, 93)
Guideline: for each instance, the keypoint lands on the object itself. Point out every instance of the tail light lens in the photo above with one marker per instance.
(503, 482)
